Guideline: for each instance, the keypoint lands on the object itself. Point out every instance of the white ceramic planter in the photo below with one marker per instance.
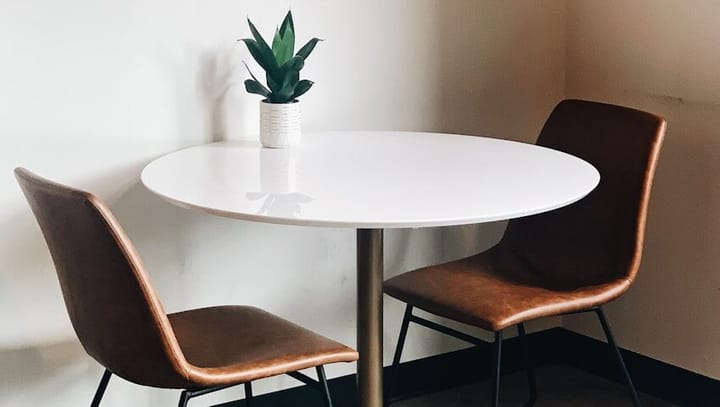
(280, 124)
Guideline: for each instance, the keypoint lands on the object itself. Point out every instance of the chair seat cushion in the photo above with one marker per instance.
(492, 294)
(237, 344)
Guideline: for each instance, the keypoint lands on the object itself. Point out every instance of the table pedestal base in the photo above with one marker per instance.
(370, 316)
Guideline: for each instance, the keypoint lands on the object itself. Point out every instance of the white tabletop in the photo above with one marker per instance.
(372, 180)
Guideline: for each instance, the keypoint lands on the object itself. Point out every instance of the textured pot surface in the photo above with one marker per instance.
(280, 124)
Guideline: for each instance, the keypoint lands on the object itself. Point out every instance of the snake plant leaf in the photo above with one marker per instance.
(274, 84)
(302, 87)
(289, 84)
(287, 24)
(308, 48)
(280, 79)
(289, 41)
(265, 58)
(253, 86)
(263, 46)
(296, 63)
(284, 95)
(266, 90)
(287, 33)
(277, 38)
(290, 80)
(282, 69)
(282, 46)
(256, 34)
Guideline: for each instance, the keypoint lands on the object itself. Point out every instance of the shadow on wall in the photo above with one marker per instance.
(196, 259)
(30, 297)
(31, 307)
(42, 372)
(40, 358)
(219, 75)
(678, 282)
(196, 83)
(159, 231)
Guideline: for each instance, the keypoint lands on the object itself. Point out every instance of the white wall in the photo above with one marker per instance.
(90, 91)
(663, 56)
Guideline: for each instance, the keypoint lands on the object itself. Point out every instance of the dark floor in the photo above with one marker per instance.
(557, 387)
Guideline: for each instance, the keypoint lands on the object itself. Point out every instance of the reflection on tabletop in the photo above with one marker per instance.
(280, 204)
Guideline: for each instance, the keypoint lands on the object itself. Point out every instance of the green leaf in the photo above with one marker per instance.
(264, 48)
(277, 39)
(273, 84)
(283, 86)
(308, 48)
(287, 24)
(302, 87)
(265, 58)
(253, 86)
(289, 84)
(287, 36)
(286, 91)
(287, 31)
(282, 47)
(284, 41)
(289, 41)
(278, 81)
(295, 63)
(256, 34)
(282, 69)
(290, 72)
(266, 90)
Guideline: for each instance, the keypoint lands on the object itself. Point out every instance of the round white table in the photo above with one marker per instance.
(371, 181)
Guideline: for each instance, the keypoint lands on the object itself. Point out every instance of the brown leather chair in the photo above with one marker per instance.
(570, 260)
(120, 322)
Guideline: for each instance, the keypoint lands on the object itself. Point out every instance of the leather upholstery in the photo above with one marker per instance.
(120, 322)
(241, 343)
(566, 260)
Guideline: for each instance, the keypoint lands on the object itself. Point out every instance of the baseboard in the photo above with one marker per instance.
(556, 346)
(651, 376)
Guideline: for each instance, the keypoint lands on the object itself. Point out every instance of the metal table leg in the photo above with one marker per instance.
(370, 316)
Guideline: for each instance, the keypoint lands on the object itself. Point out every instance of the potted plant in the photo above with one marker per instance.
(280, 120)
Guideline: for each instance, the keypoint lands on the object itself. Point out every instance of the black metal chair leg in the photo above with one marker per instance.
(497, 359)
(327, 400)
(249, 400)
(100, 392)
(398, 353)
(618, 356)
(529, 365)
(184, 398)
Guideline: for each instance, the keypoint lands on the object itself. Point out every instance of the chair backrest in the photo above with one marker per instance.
(112, 306)
(600, 238)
